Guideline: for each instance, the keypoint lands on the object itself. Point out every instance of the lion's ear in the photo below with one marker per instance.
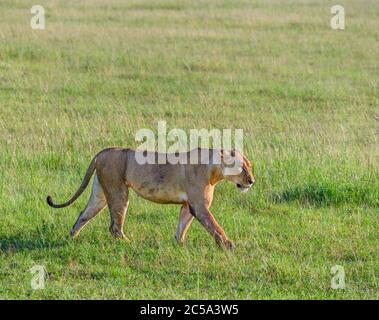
(223, 153)
(228, 153)
(227, 156)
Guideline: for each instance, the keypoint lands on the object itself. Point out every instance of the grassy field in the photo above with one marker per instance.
(306, 95)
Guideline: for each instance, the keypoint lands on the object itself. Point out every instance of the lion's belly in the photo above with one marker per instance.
(161, 195)
(162, 183)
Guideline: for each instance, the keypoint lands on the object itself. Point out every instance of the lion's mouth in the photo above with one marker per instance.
(243, 188)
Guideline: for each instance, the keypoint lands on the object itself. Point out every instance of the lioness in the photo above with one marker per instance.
(185, 183)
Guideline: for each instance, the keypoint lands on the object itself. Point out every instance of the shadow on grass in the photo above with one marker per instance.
(15, 243)
(326, 195)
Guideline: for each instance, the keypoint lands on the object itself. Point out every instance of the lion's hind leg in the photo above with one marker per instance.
(185, 220)
(96, 203)
(118, 206)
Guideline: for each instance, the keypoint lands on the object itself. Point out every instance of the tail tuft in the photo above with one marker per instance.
(50, 201)
(53, 205)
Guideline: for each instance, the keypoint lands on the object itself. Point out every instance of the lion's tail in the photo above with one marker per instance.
(82, 187)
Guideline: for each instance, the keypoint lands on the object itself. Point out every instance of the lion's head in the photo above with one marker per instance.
(238, 169)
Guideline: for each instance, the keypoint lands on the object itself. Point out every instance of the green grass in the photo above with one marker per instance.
(306, 96)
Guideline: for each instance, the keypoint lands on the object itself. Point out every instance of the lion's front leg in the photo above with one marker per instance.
(209, 222)
(201, 205)
(185, 220)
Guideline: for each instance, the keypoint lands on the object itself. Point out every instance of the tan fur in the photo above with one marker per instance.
(191, 185)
